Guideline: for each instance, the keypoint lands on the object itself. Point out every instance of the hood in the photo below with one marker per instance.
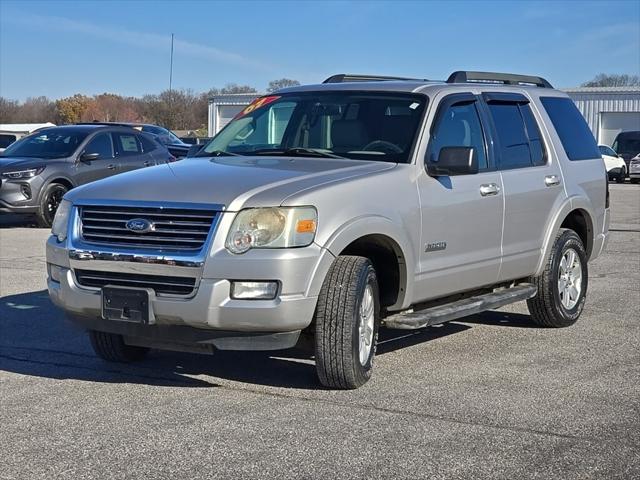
(234, 182)
(11, 164)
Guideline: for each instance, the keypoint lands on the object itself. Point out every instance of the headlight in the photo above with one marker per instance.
(272, 228)
(18, 174)
(61, 220)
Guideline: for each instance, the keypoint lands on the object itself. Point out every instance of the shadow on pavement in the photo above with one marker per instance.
(36, 340)
(12, 220)
(501, 319)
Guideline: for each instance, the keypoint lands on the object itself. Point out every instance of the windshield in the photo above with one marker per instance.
(58, 143)
(166, 137)
(356, 125)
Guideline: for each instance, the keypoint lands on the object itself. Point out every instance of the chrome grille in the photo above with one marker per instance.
(159, 283)
(173, 228)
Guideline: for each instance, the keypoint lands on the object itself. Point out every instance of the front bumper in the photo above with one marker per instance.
(20, 196)
(634, 169)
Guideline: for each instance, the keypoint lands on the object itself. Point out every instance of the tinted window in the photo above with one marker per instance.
(536, 147)
(127, 144)
(6, 140)
(627, 143)
(604, 150)
(458, 126)
(101, 144)
(148, 145)
(512, 135)
(577, 140)
(55, 142)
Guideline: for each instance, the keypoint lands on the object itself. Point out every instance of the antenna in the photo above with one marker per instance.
(171, 66)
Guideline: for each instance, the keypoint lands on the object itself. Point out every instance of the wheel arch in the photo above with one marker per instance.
(384, 243)
(574, 215)
(56, 179)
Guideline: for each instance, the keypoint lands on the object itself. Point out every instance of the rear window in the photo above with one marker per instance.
(577, 140)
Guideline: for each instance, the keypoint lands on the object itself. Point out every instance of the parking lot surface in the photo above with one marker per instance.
(491, 396)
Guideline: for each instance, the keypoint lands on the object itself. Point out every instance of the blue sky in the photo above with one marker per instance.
(58, 48)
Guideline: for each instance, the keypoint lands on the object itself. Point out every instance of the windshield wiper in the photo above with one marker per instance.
(217, 153)
(297, 152)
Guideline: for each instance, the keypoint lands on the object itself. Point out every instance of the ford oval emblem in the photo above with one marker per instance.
(140, 225)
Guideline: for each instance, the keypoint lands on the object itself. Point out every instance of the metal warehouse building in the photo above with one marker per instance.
(608, 110)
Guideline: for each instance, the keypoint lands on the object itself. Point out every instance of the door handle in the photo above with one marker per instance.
(111, 166)
(147, 163)
(488, 189)
(551, 180)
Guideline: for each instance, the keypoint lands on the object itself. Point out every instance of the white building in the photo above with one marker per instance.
(608, 110)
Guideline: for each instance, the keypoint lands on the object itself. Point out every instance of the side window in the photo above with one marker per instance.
(604, 150)
(458, 126)
(577, 140)
(101, 144)
(148, 145)
(536, 147)
(127, 144)
(512, 135)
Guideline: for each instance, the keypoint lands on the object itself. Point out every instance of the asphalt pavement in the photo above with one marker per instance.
(491, 396)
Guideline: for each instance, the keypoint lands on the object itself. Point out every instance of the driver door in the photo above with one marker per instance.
(461, 214)
(104, 166)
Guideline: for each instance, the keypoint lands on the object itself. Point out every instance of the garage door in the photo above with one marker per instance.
(612, 123)
(226, 114)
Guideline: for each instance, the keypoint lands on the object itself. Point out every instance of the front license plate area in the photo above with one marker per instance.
(125, 304)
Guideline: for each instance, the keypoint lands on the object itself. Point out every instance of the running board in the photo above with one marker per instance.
(460, 308)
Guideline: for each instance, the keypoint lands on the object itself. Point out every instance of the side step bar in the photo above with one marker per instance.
(460, 308)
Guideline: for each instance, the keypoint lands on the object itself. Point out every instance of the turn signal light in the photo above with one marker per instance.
(306, 226)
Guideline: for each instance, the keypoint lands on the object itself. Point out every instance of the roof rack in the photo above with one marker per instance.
(350, 77)
(492, 77)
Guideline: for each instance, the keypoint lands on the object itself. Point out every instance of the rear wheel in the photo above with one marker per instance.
(635, 180)
(49, 203)
(562, 287)
(111, 347)
(346, 323)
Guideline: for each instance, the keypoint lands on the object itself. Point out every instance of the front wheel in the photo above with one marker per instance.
(346, 323)
(111, 347)
(51, 198)
(562, 287)
(621, 176)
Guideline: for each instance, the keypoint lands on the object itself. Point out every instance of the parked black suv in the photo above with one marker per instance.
(37, 170)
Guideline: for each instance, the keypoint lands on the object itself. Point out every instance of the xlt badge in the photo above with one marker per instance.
(434, 247)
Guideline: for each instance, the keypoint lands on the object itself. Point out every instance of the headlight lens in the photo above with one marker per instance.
(19, 174)
(61, 220)
(272, 228)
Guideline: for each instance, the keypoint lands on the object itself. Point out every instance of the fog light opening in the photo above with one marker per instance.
(55, 272)
(246, 290)
(26, 191)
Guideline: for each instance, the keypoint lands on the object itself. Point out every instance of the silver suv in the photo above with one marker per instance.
(330, 210)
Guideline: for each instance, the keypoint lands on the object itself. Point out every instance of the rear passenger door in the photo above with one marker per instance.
(461, 214)
(531, 178)
(129, 151)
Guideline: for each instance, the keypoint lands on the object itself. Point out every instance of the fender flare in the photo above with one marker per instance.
(54, 179)
(569, 205)
(360, 227)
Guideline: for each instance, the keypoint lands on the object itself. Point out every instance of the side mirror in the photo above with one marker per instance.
(88, 157)
(454, 161)
(193, 150)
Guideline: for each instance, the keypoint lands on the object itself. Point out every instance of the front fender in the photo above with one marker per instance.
(360, 227)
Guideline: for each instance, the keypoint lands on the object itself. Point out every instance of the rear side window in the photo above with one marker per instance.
(148, 145)
(127, 144)
(577, 140)
(519, 138)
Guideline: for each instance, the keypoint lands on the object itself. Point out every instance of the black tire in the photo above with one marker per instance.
(338, 320)
(621, 176)
(49, 202)
(546, 308)
(635, 180)
(111, 347)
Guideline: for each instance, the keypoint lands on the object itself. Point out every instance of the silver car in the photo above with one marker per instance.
(331, 210)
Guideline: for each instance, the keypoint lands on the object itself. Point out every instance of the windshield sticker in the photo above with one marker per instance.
(256, 104)
(414, 105)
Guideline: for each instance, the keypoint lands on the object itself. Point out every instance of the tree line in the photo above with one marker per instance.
(181, 109)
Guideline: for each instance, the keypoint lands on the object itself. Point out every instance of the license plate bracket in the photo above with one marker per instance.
(126, 305)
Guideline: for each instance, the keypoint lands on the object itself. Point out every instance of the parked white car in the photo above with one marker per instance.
(615, 165)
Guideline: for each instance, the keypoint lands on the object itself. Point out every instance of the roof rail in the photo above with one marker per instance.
(492, 77)
(350, 77)
(109, 124)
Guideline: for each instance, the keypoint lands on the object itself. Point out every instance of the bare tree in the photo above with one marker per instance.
(281, 83)
(8, 110)
(231, 88)
(613, 80)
